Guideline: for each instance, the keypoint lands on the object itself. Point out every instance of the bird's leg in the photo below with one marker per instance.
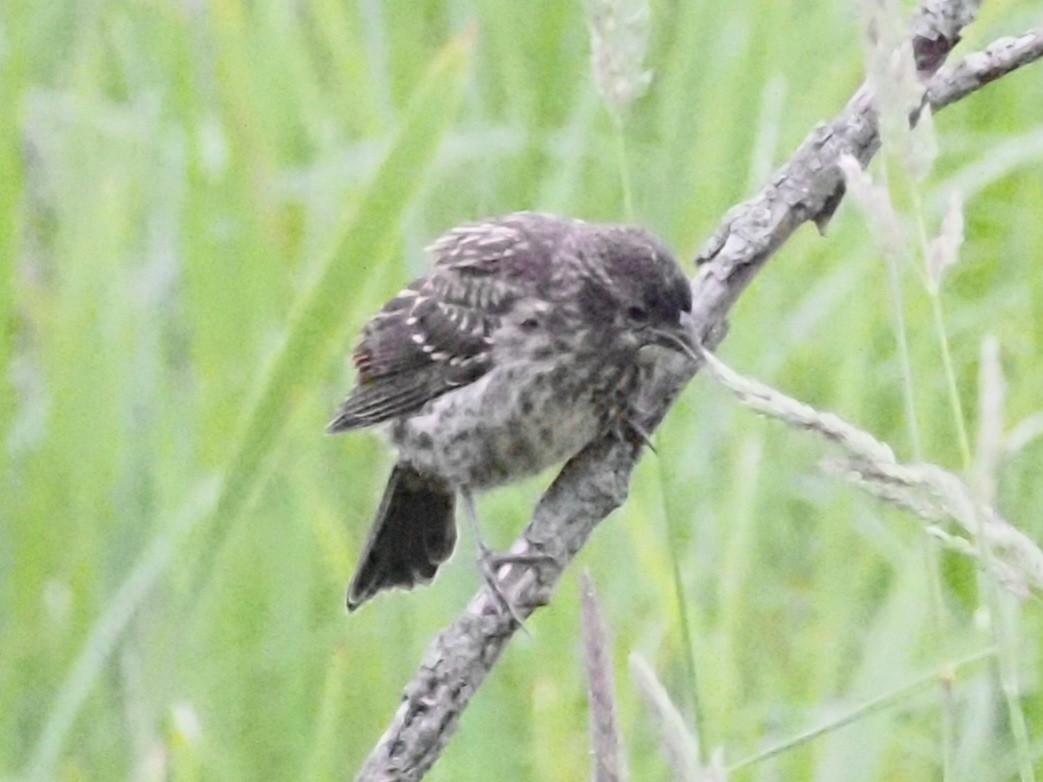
(485, 559)
(625, 427)
(640, 432)
(490, 561)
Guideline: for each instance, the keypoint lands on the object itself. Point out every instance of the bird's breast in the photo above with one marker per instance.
(515, 421)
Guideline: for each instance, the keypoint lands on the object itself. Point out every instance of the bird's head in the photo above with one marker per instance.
(639, 287)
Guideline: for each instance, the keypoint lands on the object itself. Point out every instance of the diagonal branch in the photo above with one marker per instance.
(594, 483)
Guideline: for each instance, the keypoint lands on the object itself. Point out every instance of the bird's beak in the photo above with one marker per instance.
(677, 338)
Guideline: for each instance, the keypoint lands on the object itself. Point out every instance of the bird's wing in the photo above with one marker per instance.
(517, 246)
(436, 335)
(431, 338)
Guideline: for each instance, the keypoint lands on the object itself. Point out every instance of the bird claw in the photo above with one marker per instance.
(628, 430)
(489, 563)
(529, 558)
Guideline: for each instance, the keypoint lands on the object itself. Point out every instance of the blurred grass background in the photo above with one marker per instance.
(201, 200)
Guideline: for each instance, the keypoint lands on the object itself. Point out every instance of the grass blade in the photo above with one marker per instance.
(316, 331)
(318, 327)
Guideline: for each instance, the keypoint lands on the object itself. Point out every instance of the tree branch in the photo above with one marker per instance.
(595, 482)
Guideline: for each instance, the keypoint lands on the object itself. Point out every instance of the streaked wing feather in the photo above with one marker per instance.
(387, 398)
(412, 353)
(435, 335)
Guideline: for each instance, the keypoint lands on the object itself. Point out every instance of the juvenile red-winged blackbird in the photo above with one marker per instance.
(518, 348)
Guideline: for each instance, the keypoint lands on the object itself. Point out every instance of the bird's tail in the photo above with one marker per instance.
(413, 534)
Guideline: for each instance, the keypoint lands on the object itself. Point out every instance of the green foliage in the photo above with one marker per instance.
(199, 204)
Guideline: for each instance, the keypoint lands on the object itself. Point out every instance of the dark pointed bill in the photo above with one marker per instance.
(679, 340)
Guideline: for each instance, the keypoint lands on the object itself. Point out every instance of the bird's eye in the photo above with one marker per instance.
(637, 313)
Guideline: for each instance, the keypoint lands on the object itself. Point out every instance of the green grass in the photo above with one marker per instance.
(201, 202)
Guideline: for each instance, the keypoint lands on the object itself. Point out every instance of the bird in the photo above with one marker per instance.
(520, 346)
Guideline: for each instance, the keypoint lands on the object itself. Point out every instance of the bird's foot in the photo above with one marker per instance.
(628, 430)
(490, 563)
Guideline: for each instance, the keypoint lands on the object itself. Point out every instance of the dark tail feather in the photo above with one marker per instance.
(413, 534)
